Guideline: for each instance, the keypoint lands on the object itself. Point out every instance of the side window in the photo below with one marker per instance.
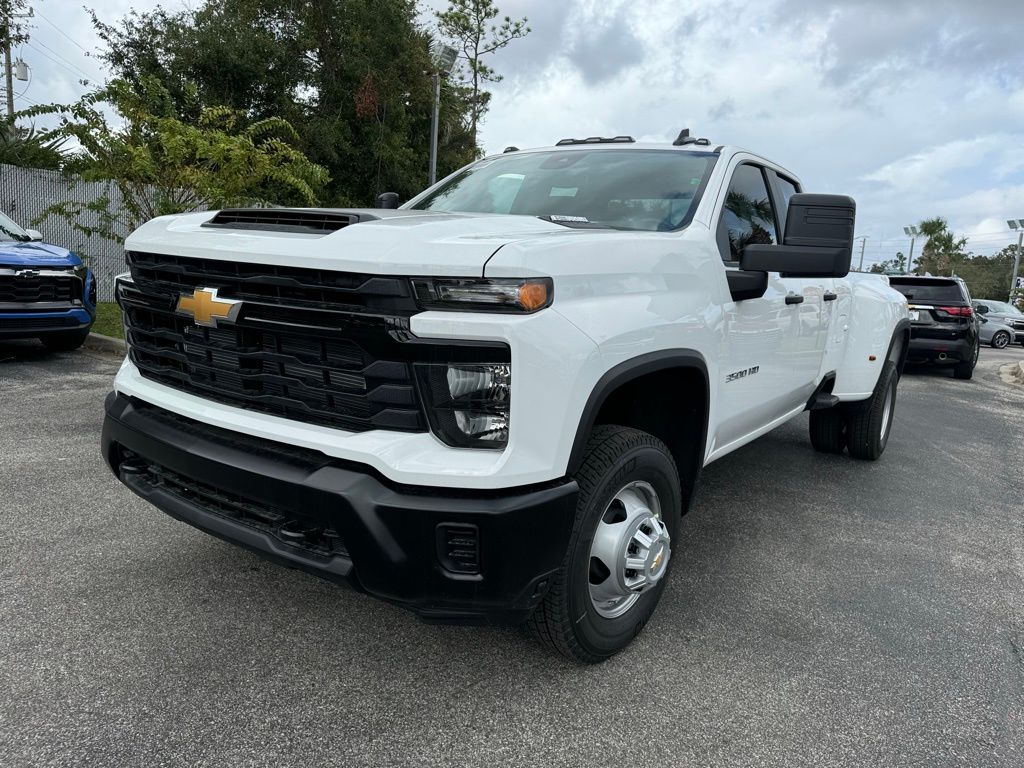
(787, 189)
(748, 216)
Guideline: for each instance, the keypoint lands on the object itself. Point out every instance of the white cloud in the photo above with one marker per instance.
(914, 107)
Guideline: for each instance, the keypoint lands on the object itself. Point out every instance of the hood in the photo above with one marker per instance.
(399, 242)
(36, 255)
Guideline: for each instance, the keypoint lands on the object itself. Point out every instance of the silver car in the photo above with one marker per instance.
(1003, 313)
(996, 332)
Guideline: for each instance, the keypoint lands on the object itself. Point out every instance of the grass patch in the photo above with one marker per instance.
(108, 320)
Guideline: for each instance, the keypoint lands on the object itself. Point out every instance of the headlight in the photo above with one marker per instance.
(468, 404)
(480, 295)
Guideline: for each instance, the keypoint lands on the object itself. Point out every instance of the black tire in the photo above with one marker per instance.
(965, 370)
(65, 341)
(870, 422)
(566, 621)
(828, 430)
(1000, 339)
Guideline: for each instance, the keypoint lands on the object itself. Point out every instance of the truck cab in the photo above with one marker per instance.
(493, 403)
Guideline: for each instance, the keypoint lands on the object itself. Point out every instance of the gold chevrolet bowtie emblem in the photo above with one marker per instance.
(206, 308)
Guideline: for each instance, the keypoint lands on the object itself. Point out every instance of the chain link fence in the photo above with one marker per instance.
(25, 193)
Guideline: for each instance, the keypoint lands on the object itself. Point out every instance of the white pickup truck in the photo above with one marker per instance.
(493, 403)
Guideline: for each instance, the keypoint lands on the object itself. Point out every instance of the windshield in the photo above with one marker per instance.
(1002, 308)
(653, 190)
(10, 231)
(929, 291)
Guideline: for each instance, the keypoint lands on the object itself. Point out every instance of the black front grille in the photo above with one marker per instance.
(317, 540)
(293, 286)
(307, 345)
(29, 290)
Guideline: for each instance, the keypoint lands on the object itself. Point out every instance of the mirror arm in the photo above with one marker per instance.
(745, 284)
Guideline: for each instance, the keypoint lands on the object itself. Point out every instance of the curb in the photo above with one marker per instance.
(107, 344)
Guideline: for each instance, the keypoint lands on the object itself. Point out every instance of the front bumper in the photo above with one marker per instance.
(32, 323)
(342, 521)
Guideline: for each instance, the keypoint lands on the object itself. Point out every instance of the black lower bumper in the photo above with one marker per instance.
(449, 554)
(925, 350)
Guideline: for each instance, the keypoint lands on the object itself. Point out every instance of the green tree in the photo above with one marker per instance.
(895, 265)
(943, 252)
(29, 148)
(470, 24)
(350, 76)
(160, 165)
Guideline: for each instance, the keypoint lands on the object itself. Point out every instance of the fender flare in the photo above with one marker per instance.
(627, 371)
(901, 331)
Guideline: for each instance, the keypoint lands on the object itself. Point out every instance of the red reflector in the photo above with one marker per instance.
(957, 311)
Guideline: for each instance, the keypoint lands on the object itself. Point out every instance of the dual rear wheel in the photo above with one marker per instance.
(862, 428)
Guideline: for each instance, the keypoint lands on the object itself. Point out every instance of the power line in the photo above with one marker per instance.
(69, 37)
(65, 63)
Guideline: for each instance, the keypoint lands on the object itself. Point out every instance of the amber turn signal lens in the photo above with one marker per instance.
(533, 296)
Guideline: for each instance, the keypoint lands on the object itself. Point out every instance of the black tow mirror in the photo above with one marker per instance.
(387, 200)
(818, 241)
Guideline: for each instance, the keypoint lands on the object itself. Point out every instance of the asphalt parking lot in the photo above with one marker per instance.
(822, 612)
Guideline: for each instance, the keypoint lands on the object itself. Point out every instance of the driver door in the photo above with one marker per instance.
(773, 344)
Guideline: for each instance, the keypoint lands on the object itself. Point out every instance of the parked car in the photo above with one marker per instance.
(995, 333)
(944, 329)
(495, 407)
(46, 292)
(1002, 312)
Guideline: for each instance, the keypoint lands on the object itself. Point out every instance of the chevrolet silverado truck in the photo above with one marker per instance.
(493, 403)
(46, 292)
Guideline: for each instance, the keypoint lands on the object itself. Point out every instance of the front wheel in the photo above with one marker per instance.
(870, 422)
(1000, 339)
(613, 574)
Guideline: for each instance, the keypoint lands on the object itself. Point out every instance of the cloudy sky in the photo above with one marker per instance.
(915, 107)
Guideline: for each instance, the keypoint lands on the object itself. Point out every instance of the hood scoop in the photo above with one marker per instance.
(316, 221)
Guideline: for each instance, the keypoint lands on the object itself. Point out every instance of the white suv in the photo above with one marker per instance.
(493, 403)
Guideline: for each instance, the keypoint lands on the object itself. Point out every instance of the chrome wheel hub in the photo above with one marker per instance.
(630, 552)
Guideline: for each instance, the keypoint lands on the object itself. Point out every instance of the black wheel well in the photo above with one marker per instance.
(670, 403)
(900, 346)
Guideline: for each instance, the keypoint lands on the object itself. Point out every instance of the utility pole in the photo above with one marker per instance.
(8, 70)
(863, 241)
(9, 34)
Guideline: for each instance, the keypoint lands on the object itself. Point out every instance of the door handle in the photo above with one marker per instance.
(829, 296)
(794, 298)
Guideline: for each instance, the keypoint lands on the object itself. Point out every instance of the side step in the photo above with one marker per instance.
(822, 400)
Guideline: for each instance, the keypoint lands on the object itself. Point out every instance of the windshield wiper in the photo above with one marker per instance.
(575, 222)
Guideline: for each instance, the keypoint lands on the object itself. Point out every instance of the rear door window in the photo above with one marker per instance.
(930, 291)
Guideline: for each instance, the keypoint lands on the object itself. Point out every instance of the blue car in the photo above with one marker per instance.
(46, 292)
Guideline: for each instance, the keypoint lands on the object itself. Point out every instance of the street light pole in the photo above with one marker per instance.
(1017, 256)
(912, 233)
(435, 118)
(444, 62)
